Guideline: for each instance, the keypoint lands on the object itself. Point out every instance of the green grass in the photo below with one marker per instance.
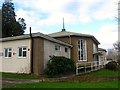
(103, 73)
(108, 84)
(20, 76)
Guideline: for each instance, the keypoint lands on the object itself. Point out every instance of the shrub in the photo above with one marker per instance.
(58, 66)
(112, 66)
(118, 61)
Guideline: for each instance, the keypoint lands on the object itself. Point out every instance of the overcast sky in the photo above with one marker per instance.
(95, 17)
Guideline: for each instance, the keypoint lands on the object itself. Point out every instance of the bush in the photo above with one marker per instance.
(58, 66)
(112, 66)
(118, 61)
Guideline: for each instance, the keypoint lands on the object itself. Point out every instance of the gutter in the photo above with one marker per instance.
(31, 56)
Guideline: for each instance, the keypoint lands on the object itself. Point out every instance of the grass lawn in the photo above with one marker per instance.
(103, 73)
(101, 84)
(108, 84)
(20, 76)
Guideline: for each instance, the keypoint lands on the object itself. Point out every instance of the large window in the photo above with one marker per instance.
(8, 52)
(82, 53)
(22, 52)
(94, 48)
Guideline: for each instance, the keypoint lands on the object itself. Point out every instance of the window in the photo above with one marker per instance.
(22, 52)
(94, 48)
(7, 52)
(66, 49)
(57, 47)
(82, 53)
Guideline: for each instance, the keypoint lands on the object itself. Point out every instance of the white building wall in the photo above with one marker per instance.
(49, 50)
(15, 64)
(0, 57)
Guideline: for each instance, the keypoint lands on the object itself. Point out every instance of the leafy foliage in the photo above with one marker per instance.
(11, 27)
(58, 66)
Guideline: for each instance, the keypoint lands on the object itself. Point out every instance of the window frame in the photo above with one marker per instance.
(82, 52)
(57, 48)
(94, 48)
(66, 49)
(22, 52)
(8, 51)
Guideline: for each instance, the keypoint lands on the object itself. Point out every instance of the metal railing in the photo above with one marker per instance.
(92, 66)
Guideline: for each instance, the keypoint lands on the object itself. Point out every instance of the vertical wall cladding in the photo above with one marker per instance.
(38, 55)
(74, 51)
(89, 49)
(64, 39)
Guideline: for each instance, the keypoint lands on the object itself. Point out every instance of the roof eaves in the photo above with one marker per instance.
(14, 38)
(53, 39)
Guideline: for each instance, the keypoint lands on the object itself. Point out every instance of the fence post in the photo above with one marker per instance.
(91, 66)
(76, 68)
(85, 67)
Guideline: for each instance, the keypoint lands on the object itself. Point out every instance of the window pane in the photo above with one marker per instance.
(9, 54)
(20, 52)
(24, 53)
(82, 49)
(24, 48)
(66, 49)
(6, 50)
(10, 49)
(57, 47)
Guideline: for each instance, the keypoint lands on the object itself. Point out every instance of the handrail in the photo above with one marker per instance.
(95, 65)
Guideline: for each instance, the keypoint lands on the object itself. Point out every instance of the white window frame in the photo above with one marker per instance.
(22, 52)
(94, 48)
(8, 51)
(84, 52)
(57, 48)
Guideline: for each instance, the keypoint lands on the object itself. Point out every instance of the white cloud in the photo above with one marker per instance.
(107, 35)
(108, 11)
(55, 9)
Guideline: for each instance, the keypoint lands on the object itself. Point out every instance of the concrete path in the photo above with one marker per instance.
(17, 81)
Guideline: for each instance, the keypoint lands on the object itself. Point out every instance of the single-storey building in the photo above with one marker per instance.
(30, 53)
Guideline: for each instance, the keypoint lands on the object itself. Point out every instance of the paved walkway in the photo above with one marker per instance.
(17, 81)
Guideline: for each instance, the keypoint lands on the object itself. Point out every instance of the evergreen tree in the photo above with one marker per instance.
(11, 27)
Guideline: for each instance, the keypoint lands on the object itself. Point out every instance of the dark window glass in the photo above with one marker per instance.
(66, 49)
(20, 52)
(24, 53)
(6, 51)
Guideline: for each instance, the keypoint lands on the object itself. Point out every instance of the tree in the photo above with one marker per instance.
(112, 55)
(117, 47)
(11, 27)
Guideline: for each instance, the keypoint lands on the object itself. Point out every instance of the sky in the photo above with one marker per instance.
(95, 17)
